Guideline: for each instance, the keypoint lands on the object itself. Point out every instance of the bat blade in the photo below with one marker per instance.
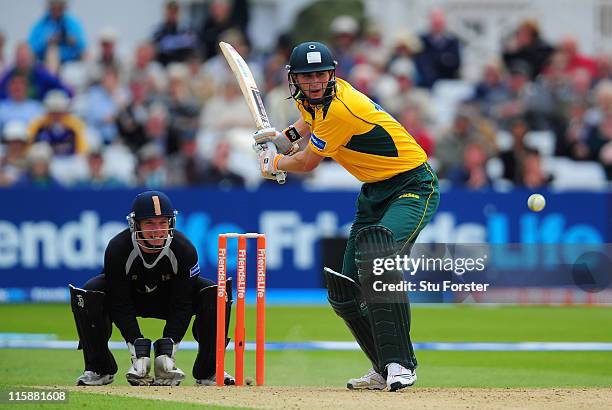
(250, 92)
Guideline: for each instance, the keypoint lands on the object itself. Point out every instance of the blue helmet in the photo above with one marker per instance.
(310, 57)
(151, 204)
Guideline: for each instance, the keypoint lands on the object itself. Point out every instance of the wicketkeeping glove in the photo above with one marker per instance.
(285, 141)
(166, 372)
(138, 373)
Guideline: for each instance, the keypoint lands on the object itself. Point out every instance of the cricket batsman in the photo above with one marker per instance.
(150, 270)
(398, 198)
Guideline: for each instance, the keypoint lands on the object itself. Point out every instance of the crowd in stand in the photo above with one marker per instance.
(74, 114)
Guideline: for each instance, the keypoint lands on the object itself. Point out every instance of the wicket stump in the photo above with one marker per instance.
(240, 330)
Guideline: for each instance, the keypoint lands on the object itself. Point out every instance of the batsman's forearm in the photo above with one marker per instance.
(293, 163)
(302, 128)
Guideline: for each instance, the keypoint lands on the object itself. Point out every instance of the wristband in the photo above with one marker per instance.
(292, 133)
(277, 158)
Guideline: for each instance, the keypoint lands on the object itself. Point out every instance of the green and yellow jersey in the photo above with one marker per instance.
(359, 135)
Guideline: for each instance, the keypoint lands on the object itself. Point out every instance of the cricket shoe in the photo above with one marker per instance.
(89, 378)
(398, 377)
(371, 381)
(228, 380)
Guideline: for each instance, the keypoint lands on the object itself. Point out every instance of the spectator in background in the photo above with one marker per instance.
(173, 42)
(156, 128)
(186, 167)
(599, 142)
(97, 177)
(226, 109)
(151, 171)
(131, 120)
(363, 77)
(472, 174)
(273, 64)
(412, 119)
(568, 47)
(563, 90)
(440, 57)
(103, 102)
(222, 16)
(146, 69)
(532, 175)
(197, 85)
(215, 69)
(108, 56)
(466, 129)
(182, 108)
(58, 32)
(371, 48)
(405, 47)
(491, 89)
(512, 158)
(218, 172)
(527, 47)
(18, 106)
(396, 90)
(344, 31)
(39, 79)
(603, 63)
(38, 171)
(275, 77)
(572, 143)
(526, 99)
(63, 131)
(14, 160)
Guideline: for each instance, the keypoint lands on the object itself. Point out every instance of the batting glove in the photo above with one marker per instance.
(285, 142)
(268, 163)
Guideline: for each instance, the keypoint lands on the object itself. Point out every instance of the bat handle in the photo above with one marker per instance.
(280, 177)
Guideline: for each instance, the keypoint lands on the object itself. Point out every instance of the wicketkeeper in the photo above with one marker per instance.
(150, 270)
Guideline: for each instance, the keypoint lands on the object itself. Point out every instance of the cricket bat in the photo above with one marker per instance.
(251, 93)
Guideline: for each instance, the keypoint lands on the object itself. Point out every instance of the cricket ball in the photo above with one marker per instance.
(536, 202)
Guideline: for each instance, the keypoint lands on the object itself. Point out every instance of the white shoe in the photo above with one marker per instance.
(89, 378)
(398, 377)
(371, 381)
(228, 380)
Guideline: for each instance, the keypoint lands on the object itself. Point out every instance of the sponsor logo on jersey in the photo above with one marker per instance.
(409, 195)
(317, 142)
(195, 271)
(149, 290)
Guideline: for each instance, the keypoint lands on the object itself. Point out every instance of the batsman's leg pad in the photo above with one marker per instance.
(388, 312)
(94, 328)
(205, 329)
(344, 296)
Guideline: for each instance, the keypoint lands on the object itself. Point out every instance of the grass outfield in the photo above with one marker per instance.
(321, 368)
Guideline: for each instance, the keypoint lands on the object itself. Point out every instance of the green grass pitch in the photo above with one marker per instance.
(22, 367)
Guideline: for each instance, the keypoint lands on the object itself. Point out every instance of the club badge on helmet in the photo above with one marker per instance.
(310, 57)
(151, 204)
